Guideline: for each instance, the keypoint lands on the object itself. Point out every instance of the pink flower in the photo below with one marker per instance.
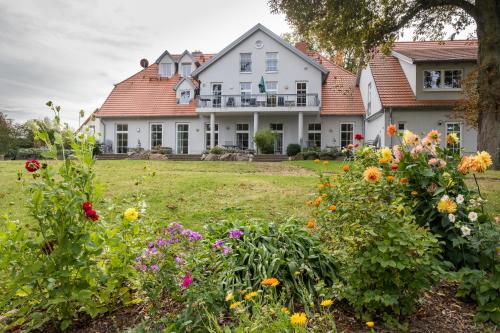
(186, 280)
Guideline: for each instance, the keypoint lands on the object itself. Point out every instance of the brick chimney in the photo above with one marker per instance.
(302, 46)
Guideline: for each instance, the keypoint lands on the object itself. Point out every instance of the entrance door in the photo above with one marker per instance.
(121, 138)
(216, 95)
(182, 139)
(278, 142)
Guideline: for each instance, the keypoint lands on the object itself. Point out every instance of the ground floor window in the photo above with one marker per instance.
(401, 127)
(242, 136)
(346, 134)
(207, 135)
(314, 135)
(182, 138)
(121, 138)
(156, 135)
(454, 127)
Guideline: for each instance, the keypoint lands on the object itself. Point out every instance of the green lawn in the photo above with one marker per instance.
(195, 193)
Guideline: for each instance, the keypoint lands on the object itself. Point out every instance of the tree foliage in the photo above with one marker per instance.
(467, 109)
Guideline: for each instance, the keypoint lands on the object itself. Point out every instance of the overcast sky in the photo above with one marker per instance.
(72, 52)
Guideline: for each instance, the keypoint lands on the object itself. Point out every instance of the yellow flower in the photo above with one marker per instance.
(316, 161)
(383, 161)
(321, 186)
(482, 161)
(446, 205)
(386, 153)
(317, 201)
(310, 223)
(332, 208)
(325, 163)
(326, 302)
(370, 324)
(409, 138)
(414, 193)
(452, 139)
(298, 318)
(250, 295)
(285, 310)
(390, 179)
(345, 167)
(273, 282)
(372, 174)
(243, 292)
(131, 214)
(234, 305)
(324, 195)
(229, 297)
(403, 180)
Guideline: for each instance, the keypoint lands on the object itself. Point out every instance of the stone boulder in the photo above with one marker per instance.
(211, 157)
(227, 157)
(158, 157)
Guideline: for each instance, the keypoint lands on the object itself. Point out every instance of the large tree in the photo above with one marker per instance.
(366, 25)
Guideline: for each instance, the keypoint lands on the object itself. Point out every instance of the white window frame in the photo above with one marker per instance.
(314, 131)
(442, 70)
(460, 134)
(177, 138)
(151, 134)
(268, 59)
(282, 134)
(369, 102)
(92, 129)
(184, 65)
(180, 97)
(121, 132)
(399, 124)
(340, 133)
(241, 62)
(245, 101)
(297, 92)
(247, 131)
(166, 69)
(207, 135)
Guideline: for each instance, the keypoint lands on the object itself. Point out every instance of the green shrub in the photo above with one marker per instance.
(217, 150)
(293, 149)
(264, 139)
(310, 155)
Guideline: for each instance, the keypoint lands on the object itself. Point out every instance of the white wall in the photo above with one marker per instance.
(291, 68)
(410, 71)
(98, 131)
(330, 129)
(366, 78)
(376, 126)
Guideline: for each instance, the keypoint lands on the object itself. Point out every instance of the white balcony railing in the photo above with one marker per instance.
(258, 101)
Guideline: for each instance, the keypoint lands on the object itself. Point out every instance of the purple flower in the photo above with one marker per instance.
(218, 243)
(226, 250)
(191, 235)
(154, 267)
(161, 242)
(138, 259)
(143, 268)
(179, 260)
(235, 233)
(174, 227)
(151, 244)
(186, 280)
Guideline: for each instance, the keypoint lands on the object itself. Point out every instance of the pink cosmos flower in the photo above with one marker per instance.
(186, 281)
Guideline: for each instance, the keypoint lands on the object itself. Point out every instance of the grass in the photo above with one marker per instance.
(195, 193)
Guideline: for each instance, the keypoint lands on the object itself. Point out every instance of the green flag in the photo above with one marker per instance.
(262, 85)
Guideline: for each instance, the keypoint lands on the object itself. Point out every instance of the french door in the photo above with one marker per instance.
(182, 139)
(121, 138)
(216, 95)
(278, 141)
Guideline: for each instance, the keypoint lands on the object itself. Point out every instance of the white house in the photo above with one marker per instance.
(193, 101)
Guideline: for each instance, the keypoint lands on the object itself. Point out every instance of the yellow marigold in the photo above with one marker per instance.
(316, 161)
(317, 201)
(310, 223)
(482, 161)
(410, 138)
(386, 153)
(321, 186)
(250, 295)
(234, 305)
(298, 318)
(403, 180)
(285, 310)
(229, 297)
(446, 205)
(372, 174)
(383, 161)
(390, 179)
(332, 208)
(345, 167)
(326, 302)
(325, 163)
(414, 193)
(370, 324)
(273, 282)
(452, 139)
(131, 214)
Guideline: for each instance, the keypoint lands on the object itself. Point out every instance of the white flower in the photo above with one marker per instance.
(473, 216)
(142, 206)
(460, 199)
(465, 231)
(445, 197)
(451, 217)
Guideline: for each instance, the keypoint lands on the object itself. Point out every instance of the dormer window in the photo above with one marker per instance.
(185, 97)
(245, 62)
(186, 69)
(442, 79)
(166, 69)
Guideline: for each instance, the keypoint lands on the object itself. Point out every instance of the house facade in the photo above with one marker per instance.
(193, 101)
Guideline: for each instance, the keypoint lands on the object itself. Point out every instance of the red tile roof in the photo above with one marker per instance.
(451, 50)
(340, 95)
(392, 85)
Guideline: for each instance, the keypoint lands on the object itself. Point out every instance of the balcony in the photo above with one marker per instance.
(258, 102)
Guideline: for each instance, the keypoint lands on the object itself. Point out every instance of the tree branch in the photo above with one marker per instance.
(468, 7)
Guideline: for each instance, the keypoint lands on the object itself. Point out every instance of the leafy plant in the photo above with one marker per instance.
(293, 149)
(264, 139)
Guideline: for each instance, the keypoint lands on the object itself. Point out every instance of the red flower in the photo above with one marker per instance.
(394, 167)
(92, 214)
(87, 206)
(356, 145)
(186, 280)
(32, 165)
(359, 136)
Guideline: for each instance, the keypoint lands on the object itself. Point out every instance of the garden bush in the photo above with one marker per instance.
(217, 150)
(264, 139)
(293, 149)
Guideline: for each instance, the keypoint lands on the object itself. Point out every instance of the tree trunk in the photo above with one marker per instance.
(488, 32)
